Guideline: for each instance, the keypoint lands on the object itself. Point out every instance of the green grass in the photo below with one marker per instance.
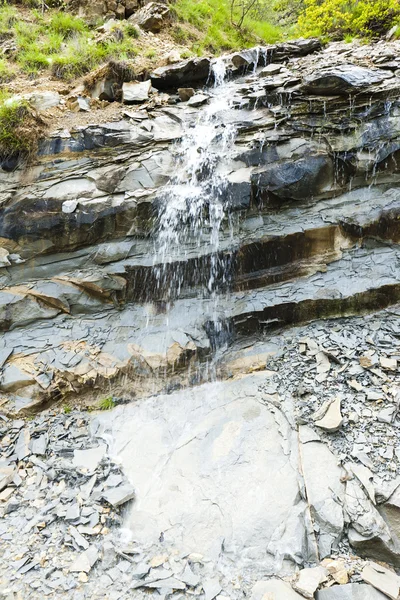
(6, 72)
(66, 24)
(212, 18)
(20, 129)
(107, 403)
(61, 42)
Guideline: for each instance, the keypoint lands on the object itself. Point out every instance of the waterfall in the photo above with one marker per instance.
(192, 207)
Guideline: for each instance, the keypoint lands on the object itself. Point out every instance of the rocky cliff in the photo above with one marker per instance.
(107, 290)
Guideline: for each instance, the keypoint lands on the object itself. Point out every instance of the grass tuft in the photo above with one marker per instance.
(107, 403)
(20, 128)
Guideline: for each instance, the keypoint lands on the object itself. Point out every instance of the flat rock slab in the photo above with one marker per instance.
(274, 589)
(135, 91)
(89, 458)
(213, 467)
(343, 79)
(350, 591)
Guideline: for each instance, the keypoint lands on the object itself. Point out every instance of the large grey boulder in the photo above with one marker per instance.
(152, 17)
(343, 80)
(193, 70)
(190, 480)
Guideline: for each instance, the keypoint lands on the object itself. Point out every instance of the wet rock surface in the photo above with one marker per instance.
(260, 457)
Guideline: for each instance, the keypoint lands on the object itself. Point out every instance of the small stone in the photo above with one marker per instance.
(158, 560)
(211, 588)
(85, 561)
(4, 258)
(69, 206)
(271, 69)
(135, 91)
(22, 445)
(198, 100)
(365, 362)
(83, 578)
(189, 577)
(120, 495)
(389, 364)
(91, 458)
(79, 539)
(353, 383)
(6, 494)
(73, 512)
(6, 476)
(332, 421)
(309, 580)
(185, 94)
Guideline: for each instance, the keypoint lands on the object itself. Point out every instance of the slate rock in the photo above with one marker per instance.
(85, 561)
(180, 74)
(90, 458)
(135, 91)
(382, 579)
(119, 495)
(274, 589)
(343, 80)
(332, 420)
(295, 180)
(350, 591)
(198, 100)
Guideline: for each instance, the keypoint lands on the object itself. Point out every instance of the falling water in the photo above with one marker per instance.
(192, 208)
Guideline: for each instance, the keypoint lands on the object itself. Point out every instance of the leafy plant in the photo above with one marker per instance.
(107, 403)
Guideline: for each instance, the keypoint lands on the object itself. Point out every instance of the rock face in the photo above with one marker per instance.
(162, 251)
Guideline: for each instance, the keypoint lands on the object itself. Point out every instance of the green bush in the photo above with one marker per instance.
(340, 18)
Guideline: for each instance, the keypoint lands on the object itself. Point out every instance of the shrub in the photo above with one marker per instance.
(131, 30)
(339, 18)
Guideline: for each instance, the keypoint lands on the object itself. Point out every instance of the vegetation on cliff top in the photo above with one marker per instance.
(340, 19)
(20, 127)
